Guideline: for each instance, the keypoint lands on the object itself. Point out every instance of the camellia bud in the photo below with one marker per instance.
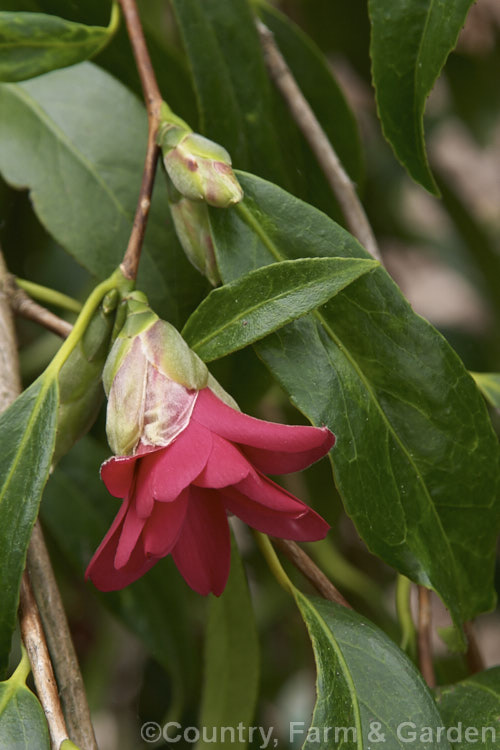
(199, 168)
(152, 379)
(193, 230)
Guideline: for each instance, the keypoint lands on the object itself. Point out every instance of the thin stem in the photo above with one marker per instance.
(153, 100)
(25, 307)
(328, 160)
(49, 296)
(403, 607)
(474, 658)
(10, 381)
(310, 570)
(424, 636)
(115, 281)
(62, 650)
(36, 646)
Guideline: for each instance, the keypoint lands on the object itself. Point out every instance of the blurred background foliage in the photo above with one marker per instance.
(142, 648)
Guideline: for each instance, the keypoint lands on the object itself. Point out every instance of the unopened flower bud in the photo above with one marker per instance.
(151, 379)
(199, 168)
(193, 231)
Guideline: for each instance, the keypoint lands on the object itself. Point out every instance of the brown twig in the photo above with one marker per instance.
(25, 307)
(10, 381)
(474, 658)
(43, 576)
(36, 646)
(424, 636)
(328, 160)
(310, 570)
(153, 100)
(62, 650)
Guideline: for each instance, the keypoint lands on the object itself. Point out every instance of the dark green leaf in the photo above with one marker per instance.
(78, 510)
(231, 657)
(489, 385)
(471, 709)
(314, 77)
(368, 691)
(27, 431)
(233, 89)
(263, 300)
(416, 460)
(34, 43)
(22, 721)
(76, 138)
(409, 46)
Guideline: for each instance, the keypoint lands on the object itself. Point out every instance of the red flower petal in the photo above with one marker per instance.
(203, 551)
(117, 474)
(226, 465)
(177, 465)
(306, 527)
(272, 448)
(101, 569)
(264, 491)
(163, 528)
(132, 527)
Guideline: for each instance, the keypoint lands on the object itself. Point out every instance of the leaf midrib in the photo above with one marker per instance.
(269, 244)
(417, 58)
(345, 670)
(26, 436)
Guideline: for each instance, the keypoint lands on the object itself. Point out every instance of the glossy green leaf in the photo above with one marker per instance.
(35, 43)
(409, 46)
(489, 385)
(78, 510)
(416, 459)
(27, 434)
(22, 721)
(228, 70)
(77, 138)
(368, 691)
(471, 710)
(263, 300)
(231, 679)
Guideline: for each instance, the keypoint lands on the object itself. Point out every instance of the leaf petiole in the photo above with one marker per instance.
(49, 296)
(273, 562)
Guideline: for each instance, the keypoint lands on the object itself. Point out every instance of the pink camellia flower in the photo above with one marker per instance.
(186, 458)
(177, 498)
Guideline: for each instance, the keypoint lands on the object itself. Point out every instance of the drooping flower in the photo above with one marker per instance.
(189, 458)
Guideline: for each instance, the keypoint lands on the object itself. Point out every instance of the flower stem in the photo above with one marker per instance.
(49, 296)
(115, 281)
